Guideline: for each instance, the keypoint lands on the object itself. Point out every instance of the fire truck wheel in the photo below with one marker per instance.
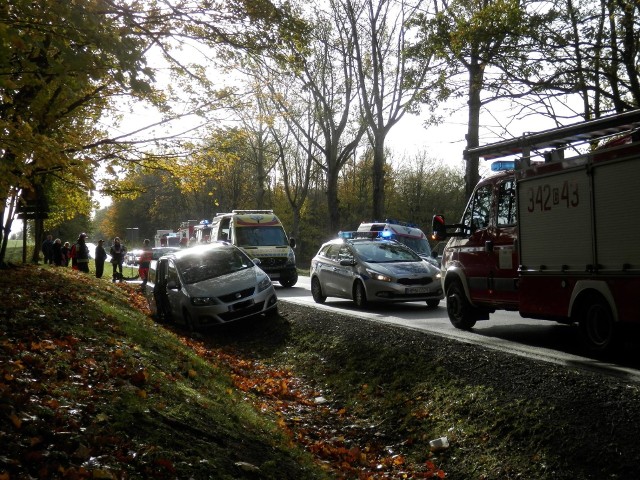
(316, 291)
(461, 313)
(359, 295)
(598, 328)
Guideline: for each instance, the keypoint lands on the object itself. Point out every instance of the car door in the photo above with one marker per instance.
(326, 268)
(469, 251)
(158, 286)
(344, 273)
(173, 289)
(502, 252)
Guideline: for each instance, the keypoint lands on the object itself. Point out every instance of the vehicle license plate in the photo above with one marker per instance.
(240, 305)
(414, 290)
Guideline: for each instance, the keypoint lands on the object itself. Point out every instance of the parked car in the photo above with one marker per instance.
(373, 270)
(132, 257)
(209, 285)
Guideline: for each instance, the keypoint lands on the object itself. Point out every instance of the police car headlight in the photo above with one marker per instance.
(378, 276)
(264, 284)
(202, 301)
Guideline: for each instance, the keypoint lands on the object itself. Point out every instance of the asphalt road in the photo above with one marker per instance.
(505, 331)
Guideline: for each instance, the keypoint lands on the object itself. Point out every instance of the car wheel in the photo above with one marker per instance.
(316, 291)
(598, 328)
(188, 321)
(433, 303)
(359, 295)
(289, 281)
(461, 313)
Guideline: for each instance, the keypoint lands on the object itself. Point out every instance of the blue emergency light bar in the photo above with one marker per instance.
(502, 165)
(352, 234)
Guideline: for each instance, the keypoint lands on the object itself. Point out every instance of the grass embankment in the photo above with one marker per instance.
(92, 388)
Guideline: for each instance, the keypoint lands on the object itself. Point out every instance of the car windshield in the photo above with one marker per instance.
(261, 236)
(212, 264)
(418, 245)
(378, 252)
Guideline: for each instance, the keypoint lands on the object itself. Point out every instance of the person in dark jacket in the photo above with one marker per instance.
(82, 253)
(66, 254)
(47, 249)
(117, 253)
(57, 252)
(100, 257)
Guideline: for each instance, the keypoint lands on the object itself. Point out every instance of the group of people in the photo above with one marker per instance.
(55, 253)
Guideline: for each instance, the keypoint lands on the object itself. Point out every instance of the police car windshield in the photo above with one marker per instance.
(418, 245)
(212, 264)
(385, 252)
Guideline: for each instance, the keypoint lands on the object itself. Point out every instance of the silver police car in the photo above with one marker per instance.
(373, 270)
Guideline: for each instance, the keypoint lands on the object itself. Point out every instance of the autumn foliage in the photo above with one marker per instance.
(67, 372)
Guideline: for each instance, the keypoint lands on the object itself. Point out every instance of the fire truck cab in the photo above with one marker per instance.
(556, 239)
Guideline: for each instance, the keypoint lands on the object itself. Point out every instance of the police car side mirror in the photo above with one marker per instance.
(173, 285)
(347, 263)
(292, 242)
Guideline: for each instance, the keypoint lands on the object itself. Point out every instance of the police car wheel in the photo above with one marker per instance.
(433, 303)
(316, 291)
(359, 295)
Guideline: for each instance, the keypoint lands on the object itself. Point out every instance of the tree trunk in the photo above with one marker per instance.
(476, 74)
(332, 202)
(378, 179)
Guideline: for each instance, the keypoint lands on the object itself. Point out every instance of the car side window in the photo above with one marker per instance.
(325, 251)
(172, 273)
(334, 252)
(480, 215)
(151, 275)
(507, 203)
(345, 253)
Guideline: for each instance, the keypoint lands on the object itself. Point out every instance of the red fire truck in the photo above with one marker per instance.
(556, 240)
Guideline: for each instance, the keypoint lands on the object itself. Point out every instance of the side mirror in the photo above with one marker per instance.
(173, 285)
(256, 261)
(292, 242)
(347, 263)
(438, 228)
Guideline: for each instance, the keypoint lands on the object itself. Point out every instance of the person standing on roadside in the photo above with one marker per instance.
(117, 252)
(57, 253)
(66, 254)
(82, 253)
(47, 249)
(100, 257)
(145, 261)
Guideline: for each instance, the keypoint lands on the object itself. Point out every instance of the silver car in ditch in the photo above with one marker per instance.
(373, 270)
(209, 285)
